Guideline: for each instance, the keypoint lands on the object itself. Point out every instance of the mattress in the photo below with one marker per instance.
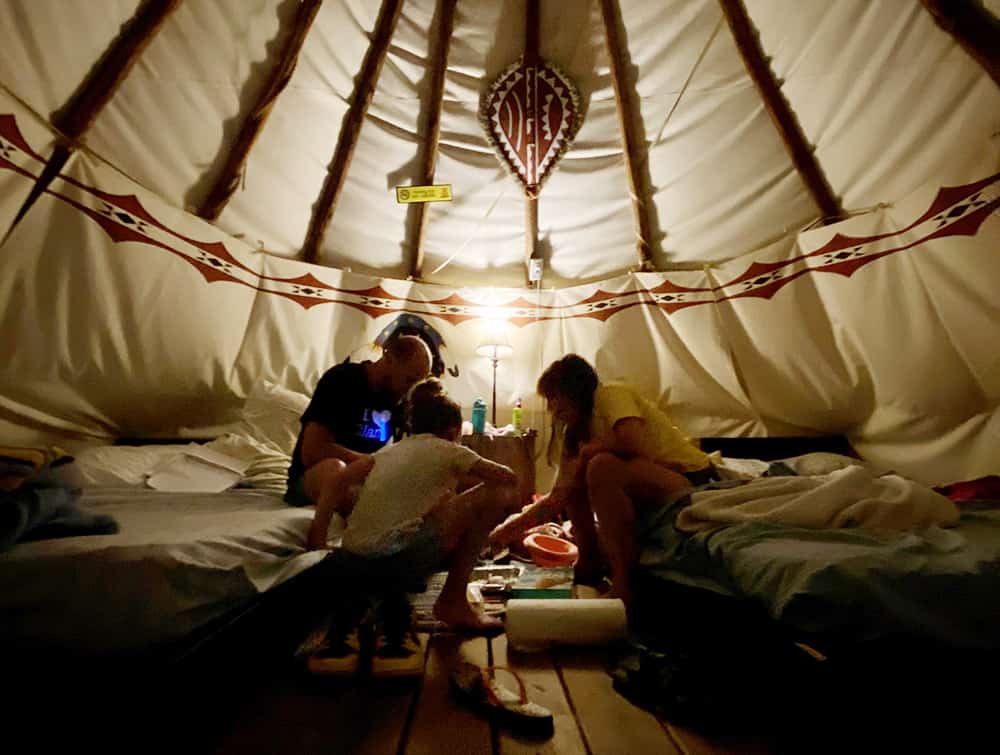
(178, 562)
(854, 585)
(836, 587)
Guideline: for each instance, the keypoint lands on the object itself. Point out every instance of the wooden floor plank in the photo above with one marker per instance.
(441, 725)
(611, 724)
(332, 717)
(692, 743)
(298, 713)
(545, 688)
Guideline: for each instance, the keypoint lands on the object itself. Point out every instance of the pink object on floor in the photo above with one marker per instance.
(966, 490)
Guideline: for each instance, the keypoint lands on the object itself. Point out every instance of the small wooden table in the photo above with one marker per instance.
(516, 451)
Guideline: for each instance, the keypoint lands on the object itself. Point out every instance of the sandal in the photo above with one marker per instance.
(479, 687)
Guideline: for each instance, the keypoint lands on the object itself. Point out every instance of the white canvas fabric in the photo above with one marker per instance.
(25, 144)
(122, 313)
(87, 319)
(889, 100)
(868, 116)
(151, 354)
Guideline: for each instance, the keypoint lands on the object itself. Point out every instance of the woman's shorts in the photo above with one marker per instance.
(295, 494)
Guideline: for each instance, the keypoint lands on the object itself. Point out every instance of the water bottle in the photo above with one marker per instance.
(478, 416)
(517, 418)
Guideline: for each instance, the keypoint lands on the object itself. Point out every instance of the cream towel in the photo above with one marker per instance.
(850, 497)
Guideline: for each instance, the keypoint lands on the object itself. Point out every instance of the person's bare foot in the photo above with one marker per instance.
(589, 572)
(465, 617)
(624, 595)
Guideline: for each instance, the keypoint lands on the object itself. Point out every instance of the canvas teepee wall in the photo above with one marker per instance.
(125, 313)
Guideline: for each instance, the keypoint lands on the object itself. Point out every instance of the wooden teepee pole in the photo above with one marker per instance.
(80, 111)
(633, 149)
(97, 89)
(442, 43)
(778, 108)
(973, 27)
(364, 90)
(532, 57)
(229, 177)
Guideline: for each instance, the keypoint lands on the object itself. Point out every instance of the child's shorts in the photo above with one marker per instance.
(295, 495)
(418, 559)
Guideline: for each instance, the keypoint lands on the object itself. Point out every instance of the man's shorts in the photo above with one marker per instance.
(295, 494)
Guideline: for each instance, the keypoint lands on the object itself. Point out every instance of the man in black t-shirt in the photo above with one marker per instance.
(352, 414)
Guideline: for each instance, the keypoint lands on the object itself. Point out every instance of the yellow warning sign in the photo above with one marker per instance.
(436, 193)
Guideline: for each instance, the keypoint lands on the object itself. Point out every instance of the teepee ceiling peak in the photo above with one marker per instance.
(290, 123)
(529, 115)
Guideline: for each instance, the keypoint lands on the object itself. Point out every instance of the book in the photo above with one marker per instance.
(198, 470)
(543, 582)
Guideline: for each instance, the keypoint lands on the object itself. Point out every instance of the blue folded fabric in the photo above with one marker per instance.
(780, 469)
(45, 507)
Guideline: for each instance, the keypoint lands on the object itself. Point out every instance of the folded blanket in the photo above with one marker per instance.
(850, 497)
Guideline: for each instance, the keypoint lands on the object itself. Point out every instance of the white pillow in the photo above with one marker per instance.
(123, 465)
(731, 468)
(268, 466)
(271, 416)
(820, 463)
(266, 435)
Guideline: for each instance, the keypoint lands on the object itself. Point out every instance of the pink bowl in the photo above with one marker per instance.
(546, 550)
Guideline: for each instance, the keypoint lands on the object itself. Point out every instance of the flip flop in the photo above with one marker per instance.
(478, 686)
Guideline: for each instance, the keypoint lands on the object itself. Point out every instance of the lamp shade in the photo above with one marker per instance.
(495, 344)
(494, 350)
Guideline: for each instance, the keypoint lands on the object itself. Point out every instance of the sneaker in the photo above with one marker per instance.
(340, 656)
(396, 649)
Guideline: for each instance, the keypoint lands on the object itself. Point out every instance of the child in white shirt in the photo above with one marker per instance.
(409, 506)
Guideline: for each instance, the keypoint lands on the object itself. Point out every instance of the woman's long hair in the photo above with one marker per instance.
(573, 378)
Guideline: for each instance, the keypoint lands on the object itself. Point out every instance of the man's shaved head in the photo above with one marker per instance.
(408, 348)
(406, 361)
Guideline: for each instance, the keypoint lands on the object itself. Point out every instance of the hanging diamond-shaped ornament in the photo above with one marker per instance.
(531, 114)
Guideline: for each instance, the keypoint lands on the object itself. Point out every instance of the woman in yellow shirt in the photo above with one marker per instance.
(616, 450)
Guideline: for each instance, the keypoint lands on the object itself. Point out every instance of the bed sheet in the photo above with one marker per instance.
(841, 586)
(178, 562)
(942, 584)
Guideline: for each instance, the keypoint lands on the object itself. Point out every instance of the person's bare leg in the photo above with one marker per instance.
(590, 565)
(465, 522)
(614, 487)
(329, 483)
(606, 475)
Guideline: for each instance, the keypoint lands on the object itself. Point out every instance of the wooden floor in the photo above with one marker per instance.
(294, 713)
